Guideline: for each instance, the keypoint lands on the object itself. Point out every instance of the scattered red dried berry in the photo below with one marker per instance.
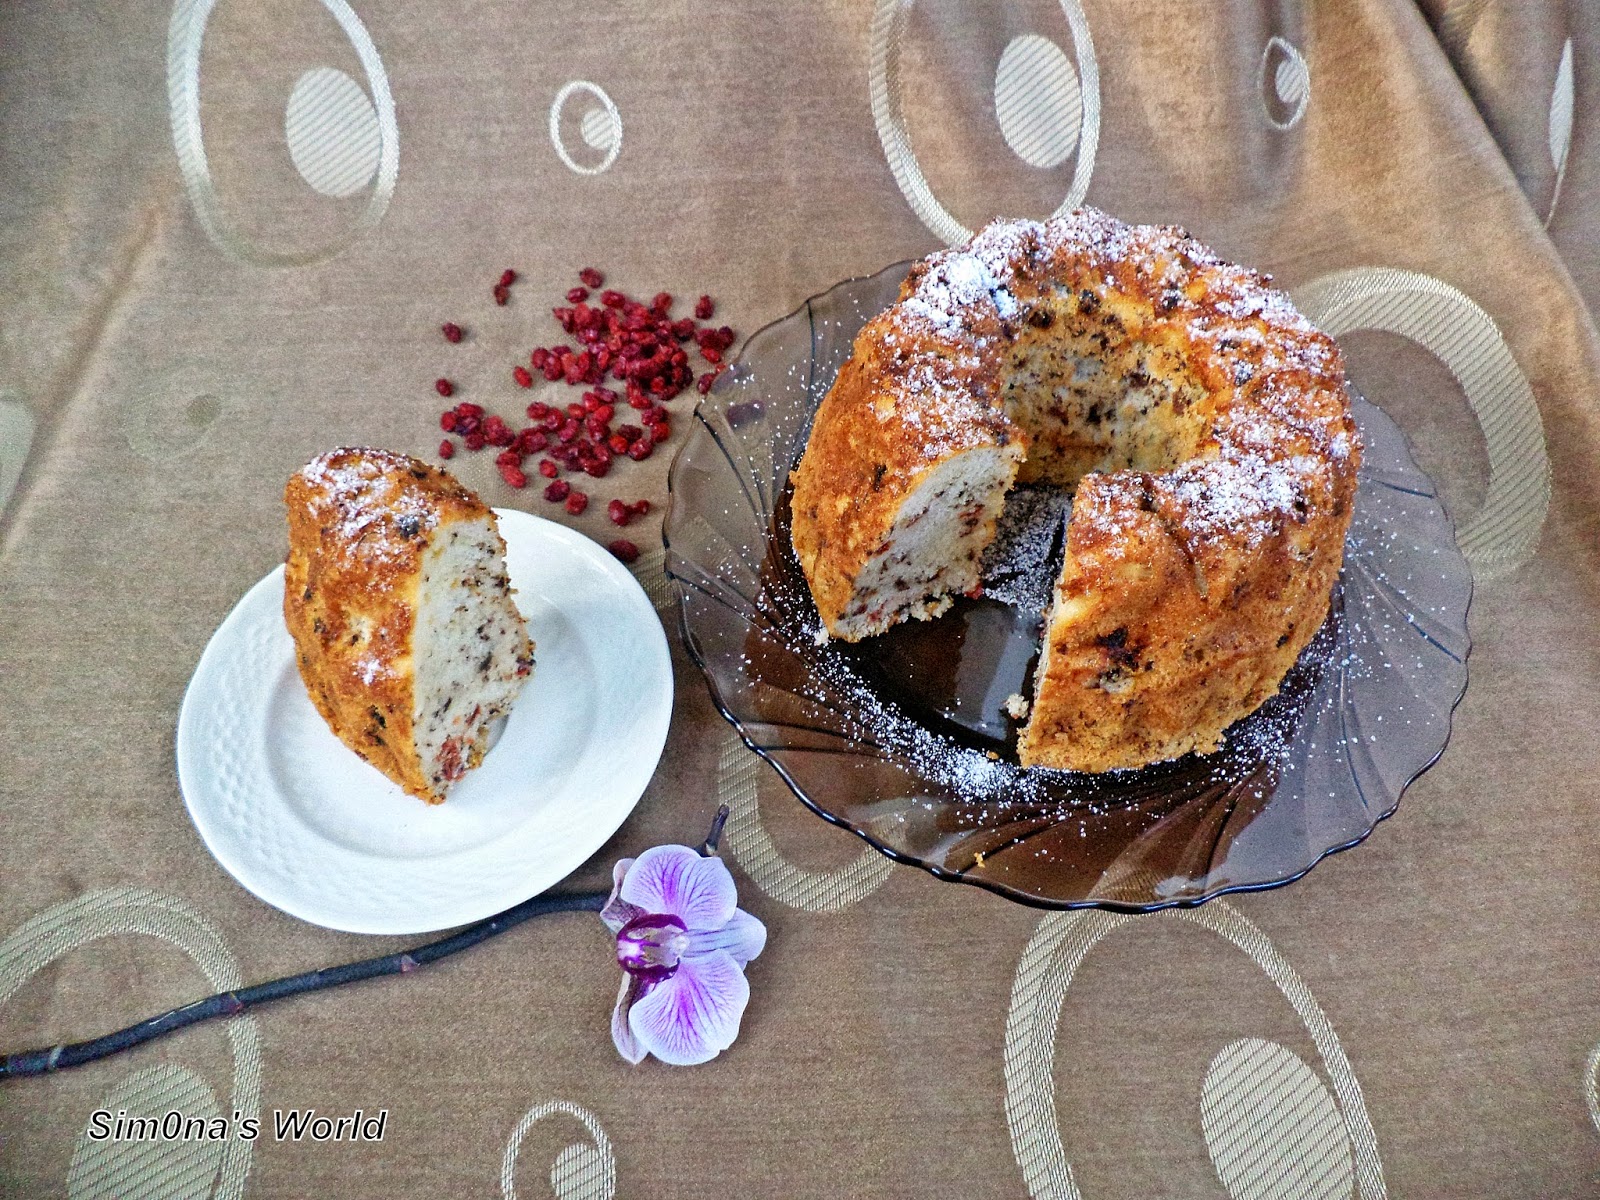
(624, 550)
(619, 339)
(619, 513)
(640, 508)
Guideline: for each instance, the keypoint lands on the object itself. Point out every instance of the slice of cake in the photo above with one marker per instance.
(396, 595)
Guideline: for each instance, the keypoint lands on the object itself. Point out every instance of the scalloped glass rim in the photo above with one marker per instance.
(1278, 799)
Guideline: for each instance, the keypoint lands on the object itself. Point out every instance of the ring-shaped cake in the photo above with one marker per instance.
(1201, 425)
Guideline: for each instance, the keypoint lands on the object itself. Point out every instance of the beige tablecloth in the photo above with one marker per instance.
(228, 235)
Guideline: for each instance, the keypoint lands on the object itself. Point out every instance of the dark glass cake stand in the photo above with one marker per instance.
(903, 740)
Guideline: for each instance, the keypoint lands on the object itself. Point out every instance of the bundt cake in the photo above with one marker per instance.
(396, 595)
(1202, 425)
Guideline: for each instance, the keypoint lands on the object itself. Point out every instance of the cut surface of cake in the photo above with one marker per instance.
(401, 611)
(1201, 425)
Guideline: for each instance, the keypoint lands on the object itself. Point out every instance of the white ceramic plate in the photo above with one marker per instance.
(308, 827)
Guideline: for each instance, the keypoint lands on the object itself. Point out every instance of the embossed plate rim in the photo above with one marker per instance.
(369, 893)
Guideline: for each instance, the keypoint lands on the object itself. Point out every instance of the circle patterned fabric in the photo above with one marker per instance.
(234, 233)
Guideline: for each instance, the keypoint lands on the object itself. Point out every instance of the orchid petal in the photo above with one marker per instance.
(621, 1033)
(743, 937)
(678, 881)
(617, 911)
(693, 1016)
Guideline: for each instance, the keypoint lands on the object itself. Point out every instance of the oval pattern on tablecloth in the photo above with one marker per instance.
(599, 126)
(1591, 1086)
(1560, 135)
(1038, 101)
(883, 79)
(172, 1169)
(1272, 1127)
(320, 139)
(334, 136)
(1284, 83)
(582, 1171)
(650, 571)
(176, 410)
(1060, 943)
(147, 1169)
(1446, 322)
(1456, 22)
(739, 770)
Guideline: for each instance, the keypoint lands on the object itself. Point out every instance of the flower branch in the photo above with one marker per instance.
(228, 1004)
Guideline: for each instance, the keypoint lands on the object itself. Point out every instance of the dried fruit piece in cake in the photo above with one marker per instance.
(396, 595)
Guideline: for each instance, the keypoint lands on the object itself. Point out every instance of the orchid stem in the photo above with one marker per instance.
(709, 847)
(227, 1004)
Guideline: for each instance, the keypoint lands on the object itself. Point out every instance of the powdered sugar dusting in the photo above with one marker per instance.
(1247, 498)
(956, 283)
(361, 498)
(995, 789)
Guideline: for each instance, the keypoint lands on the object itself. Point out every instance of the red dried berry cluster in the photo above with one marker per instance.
(639, 346)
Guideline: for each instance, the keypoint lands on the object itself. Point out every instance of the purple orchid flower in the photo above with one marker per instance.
(682, 943)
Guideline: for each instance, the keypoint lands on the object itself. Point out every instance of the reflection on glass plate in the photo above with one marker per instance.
(902, 738)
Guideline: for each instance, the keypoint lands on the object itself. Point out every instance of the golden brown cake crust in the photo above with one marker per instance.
(359, 521)
(1187, 593)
